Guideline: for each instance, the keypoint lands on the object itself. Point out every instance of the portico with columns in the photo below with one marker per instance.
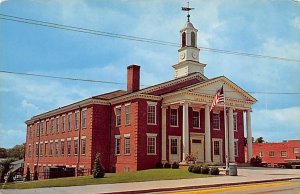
(199, 97)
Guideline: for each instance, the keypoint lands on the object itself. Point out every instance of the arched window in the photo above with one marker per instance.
(193, 39)
(183, 39)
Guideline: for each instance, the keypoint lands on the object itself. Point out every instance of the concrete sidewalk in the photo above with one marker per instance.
(245, 175)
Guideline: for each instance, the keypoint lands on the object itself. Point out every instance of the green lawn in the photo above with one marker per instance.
(139, 176)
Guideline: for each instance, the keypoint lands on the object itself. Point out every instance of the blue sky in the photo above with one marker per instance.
(266, 27)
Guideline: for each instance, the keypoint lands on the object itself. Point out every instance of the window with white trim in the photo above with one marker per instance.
(271, 153)
(118, 116)
(151, 113)
(62, 148)
(75, 146)
(56, 148)
(127, 145)
(50, 148)
(296, 150)
(70, 121)
(84, 119)
(118, 145)
(174, 117)
(37, 129)
(42, 128)
(127, 114)
(47, 127)
(30, 131)
(57, 124)
(174, 146)
(236, 148)
(196, 119)
(69, 147)
(216, 121)
(235, 122)
(77, 120)
(41, 149)
(261, 154)
(52, 125)
(63, 122)
(36, 149)
(83, 146)
(283, 154)
(29, 150)
(151, 144)
(45, 148)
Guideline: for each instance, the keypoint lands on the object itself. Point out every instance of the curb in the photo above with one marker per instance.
(202, 186)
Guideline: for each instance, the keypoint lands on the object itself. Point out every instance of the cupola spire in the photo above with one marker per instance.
(188, 9)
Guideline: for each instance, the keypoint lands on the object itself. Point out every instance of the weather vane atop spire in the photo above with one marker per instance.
(188, 9)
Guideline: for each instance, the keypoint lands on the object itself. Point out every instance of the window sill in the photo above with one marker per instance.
(151, 124)
(83, 154)
(197, 127)
(126, 154)
(216, 129)
(151, 154)
(117, 154)
(174, 126)
(128, 124)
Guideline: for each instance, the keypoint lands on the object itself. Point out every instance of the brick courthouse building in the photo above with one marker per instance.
(135, 129)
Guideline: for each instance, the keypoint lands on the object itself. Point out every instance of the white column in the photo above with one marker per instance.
(249, 134)
(185, 131)
(163, 135)
(207, 135)
(231, 136)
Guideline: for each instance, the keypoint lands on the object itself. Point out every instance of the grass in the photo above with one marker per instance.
(139, 176)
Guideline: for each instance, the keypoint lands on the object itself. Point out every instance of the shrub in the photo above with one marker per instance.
(191, 167)
(197, 169)
(205, 169)
(256, 161)
(214, 171)
(98, 171)
(167, 165)
(288, 165)
(10, 177)
(35, 176)
(27, 177)
(159, 165)
(190, 158)
(175, 165)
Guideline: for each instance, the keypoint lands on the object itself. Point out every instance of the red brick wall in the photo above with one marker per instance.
(277, 148)
(100, 136)
(145, 161)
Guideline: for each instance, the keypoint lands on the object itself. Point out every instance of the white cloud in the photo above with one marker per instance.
(296, 22)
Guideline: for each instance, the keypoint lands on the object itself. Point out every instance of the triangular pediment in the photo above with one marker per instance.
(231, 90)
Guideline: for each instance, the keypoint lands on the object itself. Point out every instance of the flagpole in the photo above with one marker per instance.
(226, 135)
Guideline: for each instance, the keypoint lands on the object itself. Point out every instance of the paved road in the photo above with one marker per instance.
(284, 187)
(245, 175)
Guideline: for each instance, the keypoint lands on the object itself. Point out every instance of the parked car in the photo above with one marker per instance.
(18, 177)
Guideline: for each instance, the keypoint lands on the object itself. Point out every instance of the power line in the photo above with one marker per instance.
(119, 83)
(132, 38)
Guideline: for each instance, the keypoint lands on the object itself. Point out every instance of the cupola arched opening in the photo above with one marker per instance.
(183, 39)
(193, 39)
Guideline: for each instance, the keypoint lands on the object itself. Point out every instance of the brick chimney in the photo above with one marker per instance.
(133, 78)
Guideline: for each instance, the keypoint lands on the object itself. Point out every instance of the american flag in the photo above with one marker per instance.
(219, 97)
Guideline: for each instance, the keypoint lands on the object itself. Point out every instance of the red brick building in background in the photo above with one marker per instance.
(135, 129)
(276, 154)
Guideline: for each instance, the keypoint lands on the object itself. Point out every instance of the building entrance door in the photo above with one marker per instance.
(174, 149)
(197, 148)
(217, 151)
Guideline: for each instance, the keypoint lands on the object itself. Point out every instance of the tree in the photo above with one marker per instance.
(3, 153)
(5, 167)
(10, 177)
(18, 151)
(27, 177)
(35, 176)
(245, 140)
(259, 140)
(98, 171)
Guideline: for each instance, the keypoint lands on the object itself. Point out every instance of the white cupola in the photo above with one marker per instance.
(188, 53)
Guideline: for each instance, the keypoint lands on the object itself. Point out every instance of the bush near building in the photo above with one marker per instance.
(256, 161)
(98, 168)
